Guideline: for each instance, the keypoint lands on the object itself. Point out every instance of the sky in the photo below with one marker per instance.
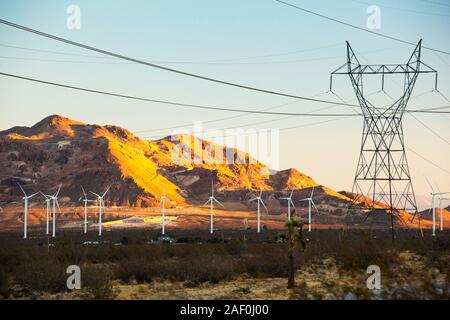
(260, 43)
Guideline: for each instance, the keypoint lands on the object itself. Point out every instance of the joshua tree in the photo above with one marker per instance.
(294, 237)
(291, 239)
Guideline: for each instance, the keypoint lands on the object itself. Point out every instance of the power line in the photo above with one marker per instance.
(180, 104)
(427, 160)
(228, 118)
(403, 9)
(108, 93)
(356, 27)
(111, 62)
(430, 129)
(157, 66)
(180, 62)
(437, 3)
(280, 129)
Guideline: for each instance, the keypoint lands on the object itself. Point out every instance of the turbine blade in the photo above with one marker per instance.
(260, 194)
(253, 199)
(57, 204)
(431, 187)
(33, 195)
(107, 189)
(212, 188)
(59, 189)
(312, 192)
(95, 194)
(437, 187)
(22, 189)
(292, 203)
(84, 192)
(207, 202)
(264, 205)
(306, 199)
(218, 202)
(291, 194)
(312, 202)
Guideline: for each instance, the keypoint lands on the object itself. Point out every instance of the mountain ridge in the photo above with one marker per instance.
(58, 149)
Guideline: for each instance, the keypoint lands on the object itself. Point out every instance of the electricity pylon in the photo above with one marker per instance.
(382, 175)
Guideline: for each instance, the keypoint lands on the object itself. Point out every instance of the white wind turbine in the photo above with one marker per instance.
(25, 210)
(47, 211)
(85, 200)
(101, 203)
(260, 202)
(433, 206)
(310, 202)
(441, 215)
(439, 194)
(211, 201)
(55, 203)
(290, 202)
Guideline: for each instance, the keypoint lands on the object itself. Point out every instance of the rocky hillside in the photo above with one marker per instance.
(60, 150)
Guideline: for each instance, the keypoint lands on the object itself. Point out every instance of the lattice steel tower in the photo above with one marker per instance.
(382, 174)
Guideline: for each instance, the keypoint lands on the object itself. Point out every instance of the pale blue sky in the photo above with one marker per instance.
(201, 31)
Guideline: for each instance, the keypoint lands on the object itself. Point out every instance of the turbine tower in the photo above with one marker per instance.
(211, 201)
(310, 203)
(289, 203)
(55, 204)
(47, 212)
(260, 202)
(101, 204)
(85, 200)
(382, 174)
(25, 210)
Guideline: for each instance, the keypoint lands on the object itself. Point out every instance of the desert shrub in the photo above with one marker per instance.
(266, 260)
(207, 269)
(41, 273)
(358, 255)
(96, 283)
(140, 270)
(4, 283)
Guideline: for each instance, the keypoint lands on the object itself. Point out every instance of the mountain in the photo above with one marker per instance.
(60, 150)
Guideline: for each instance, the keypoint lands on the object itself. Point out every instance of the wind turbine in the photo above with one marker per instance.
(101, 203)
(25, 210)
(211, 201)
(310, 202)
(433, 206)
(289, 200)
(85, 200)
(47, 202)
(258, 198)
(55, 203)
(441, 216)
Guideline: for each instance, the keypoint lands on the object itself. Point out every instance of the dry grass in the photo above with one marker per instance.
(328, 269)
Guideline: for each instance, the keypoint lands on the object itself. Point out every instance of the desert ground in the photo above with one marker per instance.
(233, 263)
